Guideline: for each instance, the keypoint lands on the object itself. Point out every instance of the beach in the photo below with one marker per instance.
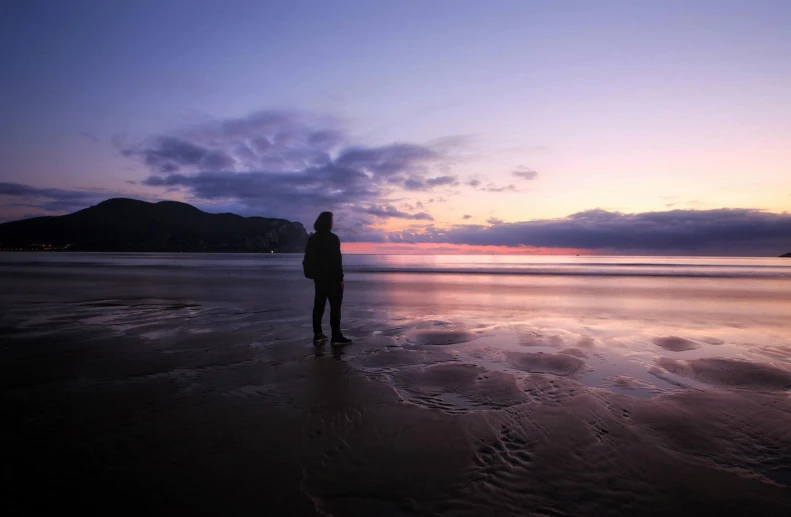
(188, 383)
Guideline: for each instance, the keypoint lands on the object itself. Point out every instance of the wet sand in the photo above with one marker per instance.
(144, 390)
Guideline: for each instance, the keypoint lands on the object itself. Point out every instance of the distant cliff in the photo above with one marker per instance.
(787, 255)
(131, 225)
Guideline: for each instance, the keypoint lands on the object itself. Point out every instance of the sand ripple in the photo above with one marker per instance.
(459, 387)
(730, 373)
(557, 364)
(440, 337)
(675, 343)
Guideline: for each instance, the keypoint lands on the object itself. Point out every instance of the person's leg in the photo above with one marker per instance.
(319, 302)
(336, 299)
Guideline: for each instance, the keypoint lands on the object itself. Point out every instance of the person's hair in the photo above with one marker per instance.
(323, 222)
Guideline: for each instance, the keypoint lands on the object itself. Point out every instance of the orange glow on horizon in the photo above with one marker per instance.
(432, 248)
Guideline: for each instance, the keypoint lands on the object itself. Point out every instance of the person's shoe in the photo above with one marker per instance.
(340, 339)
(319, 337)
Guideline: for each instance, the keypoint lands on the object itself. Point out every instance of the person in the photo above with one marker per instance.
(325, 249)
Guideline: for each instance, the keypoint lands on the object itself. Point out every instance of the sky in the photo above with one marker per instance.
(615, 127)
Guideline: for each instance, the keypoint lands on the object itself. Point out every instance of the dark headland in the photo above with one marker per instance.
(787, 255)
(167, 226)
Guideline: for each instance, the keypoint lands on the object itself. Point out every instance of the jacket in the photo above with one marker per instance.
(326, 247)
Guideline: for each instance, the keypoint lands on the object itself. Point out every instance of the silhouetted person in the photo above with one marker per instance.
(324, 264)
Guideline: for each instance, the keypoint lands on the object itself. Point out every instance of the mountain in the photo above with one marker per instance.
(131, 225)
(787, 255)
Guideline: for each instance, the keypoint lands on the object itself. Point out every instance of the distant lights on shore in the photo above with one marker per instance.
(35, 247)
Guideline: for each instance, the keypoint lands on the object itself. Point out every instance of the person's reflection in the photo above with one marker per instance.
(332, 382)
(334, 393)
(320, 351)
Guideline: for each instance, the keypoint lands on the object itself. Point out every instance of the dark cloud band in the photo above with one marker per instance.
(391, 211)
(52, 199)
(721, 231)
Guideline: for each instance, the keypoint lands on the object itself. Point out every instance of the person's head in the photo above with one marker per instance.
(323, 222)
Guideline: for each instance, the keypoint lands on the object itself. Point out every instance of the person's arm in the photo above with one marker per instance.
(337, 260)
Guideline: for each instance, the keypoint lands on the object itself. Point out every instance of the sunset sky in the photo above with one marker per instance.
(474, 126)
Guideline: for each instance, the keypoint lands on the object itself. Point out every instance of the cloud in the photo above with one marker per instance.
(429, 233)
(265, 140)
(494, 188)
(491, 187)
(386, 161)
(730, 231)
(90, 137)
(387, 211)
(524, 173)
(288, 163)
(466, 216)
(442, 180)
(353, 229)
(52, 199)
(494, 220)
(169, 154)
(428, 184)
(325, 186)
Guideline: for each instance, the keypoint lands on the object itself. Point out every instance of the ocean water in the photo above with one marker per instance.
(557, 265)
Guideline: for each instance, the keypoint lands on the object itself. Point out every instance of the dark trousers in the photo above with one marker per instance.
(327, 290)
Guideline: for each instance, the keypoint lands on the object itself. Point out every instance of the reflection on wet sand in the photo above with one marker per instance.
(201, 391)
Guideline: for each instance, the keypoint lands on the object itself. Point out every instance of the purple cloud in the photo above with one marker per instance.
(387, 160)
(427, 184)
(494, 188)
(387, 211)
(491, 187)
(525, 173)
(726, 231)
(285, 163)
(53, 199)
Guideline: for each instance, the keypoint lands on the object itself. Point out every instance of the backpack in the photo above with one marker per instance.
(310, 266)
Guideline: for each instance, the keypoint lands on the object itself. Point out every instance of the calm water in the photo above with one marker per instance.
(688, 267)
